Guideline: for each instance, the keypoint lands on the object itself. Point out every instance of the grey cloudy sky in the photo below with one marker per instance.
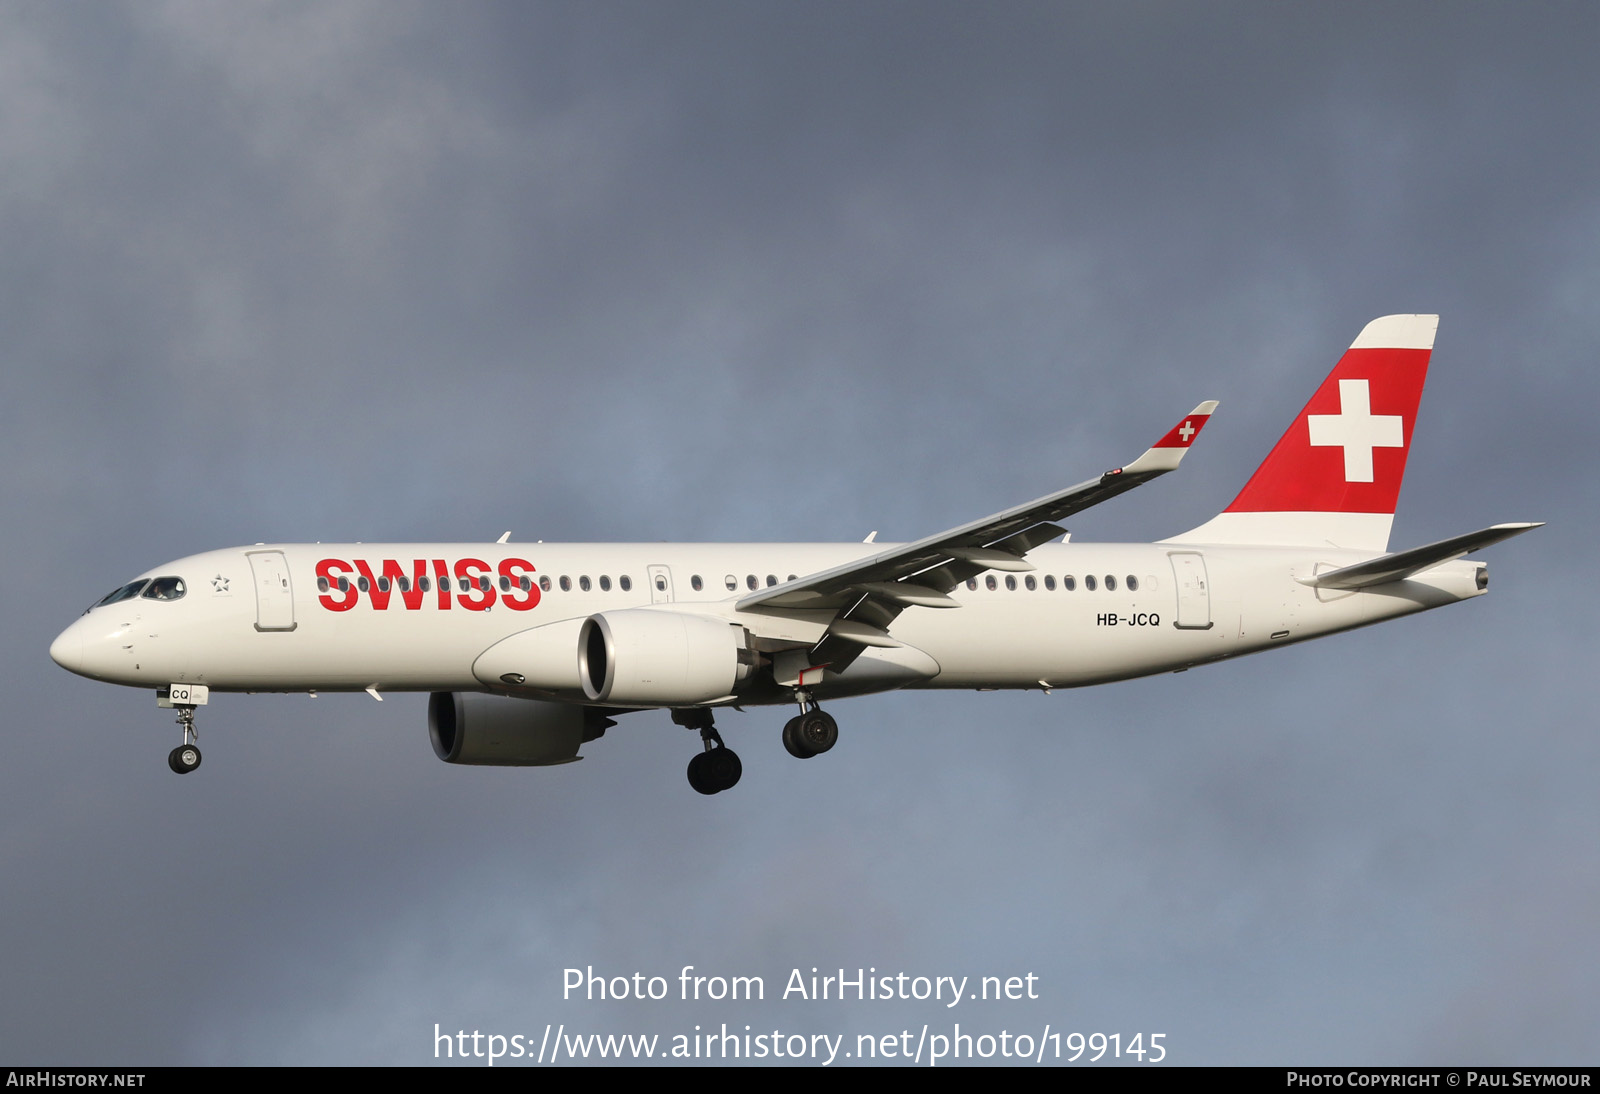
(663, 271)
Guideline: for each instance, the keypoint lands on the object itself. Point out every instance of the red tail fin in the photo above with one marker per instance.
(1335, 475)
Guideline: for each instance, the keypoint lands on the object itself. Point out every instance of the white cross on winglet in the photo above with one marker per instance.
(1356, 429)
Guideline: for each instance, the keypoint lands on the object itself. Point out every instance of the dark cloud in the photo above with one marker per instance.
(746, 272)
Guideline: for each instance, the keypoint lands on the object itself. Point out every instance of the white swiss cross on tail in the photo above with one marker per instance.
(1356, 430)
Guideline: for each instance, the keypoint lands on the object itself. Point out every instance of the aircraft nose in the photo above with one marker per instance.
(67, 649)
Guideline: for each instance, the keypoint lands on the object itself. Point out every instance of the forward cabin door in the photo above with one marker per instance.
(274, 595)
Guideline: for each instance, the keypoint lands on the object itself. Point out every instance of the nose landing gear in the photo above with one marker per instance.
(186, 757)
(718, 767)
(184, 698)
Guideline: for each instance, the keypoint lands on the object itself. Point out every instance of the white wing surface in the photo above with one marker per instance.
(869, 593)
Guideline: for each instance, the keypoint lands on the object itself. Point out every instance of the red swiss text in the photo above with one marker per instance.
(469, 583)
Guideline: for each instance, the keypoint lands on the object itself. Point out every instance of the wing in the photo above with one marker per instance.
(869, 593)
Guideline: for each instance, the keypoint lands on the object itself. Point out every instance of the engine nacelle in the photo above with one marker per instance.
(641, 657)
(542, 659)
(497, 731)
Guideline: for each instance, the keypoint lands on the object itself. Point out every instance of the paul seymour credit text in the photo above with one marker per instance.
(918, 1043)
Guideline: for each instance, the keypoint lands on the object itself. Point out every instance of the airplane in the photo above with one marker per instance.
(530, 651)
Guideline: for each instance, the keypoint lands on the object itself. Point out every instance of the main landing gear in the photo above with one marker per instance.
(717, 768)
(811, 732)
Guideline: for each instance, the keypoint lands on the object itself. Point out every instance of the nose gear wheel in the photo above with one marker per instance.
(184, 759)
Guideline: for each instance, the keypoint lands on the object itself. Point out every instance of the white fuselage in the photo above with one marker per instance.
(275, 618)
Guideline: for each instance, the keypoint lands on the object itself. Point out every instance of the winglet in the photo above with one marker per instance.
(1167, 453)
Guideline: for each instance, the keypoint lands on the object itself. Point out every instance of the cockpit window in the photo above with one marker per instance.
(127, 592)
(166, 588)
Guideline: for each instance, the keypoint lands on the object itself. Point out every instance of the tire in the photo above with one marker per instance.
(700, 775)
(725, 768)
(184, 759)
(792, 742)
(817, 732)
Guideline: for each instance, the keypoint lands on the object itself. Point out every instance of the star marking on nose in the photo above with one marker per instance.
(219, 584)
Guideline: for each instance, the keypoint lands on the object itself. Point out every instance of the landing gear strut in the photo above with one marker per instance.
(186, 757)
(717, 768)
(811, 732)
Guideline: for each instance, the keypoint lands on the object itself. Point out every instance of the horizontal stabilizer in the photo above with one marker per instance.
(1402, 564)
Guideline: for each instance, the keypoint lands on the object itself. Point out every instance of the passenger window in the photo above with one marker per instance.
(363, 584)
(344, 584)
(1050, 582)
(583, 583)
(732, 582)
(383, 584)
(322, 584)
(972, 583)
(625, 582)
(1030, 583)
(424, 583)
(751, 581)
(605, 583)
(526, 582)
(791, 577)
(1111, 583)
(405, 583)
(544, 582)
(695, 583)
(1133, 584)
(483, 583)
(661, 584)
(990, 583)
(1011, 582)
(505, 583)
(1088, 582)
(772, 579)
(1069, 583)
(566, 583)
